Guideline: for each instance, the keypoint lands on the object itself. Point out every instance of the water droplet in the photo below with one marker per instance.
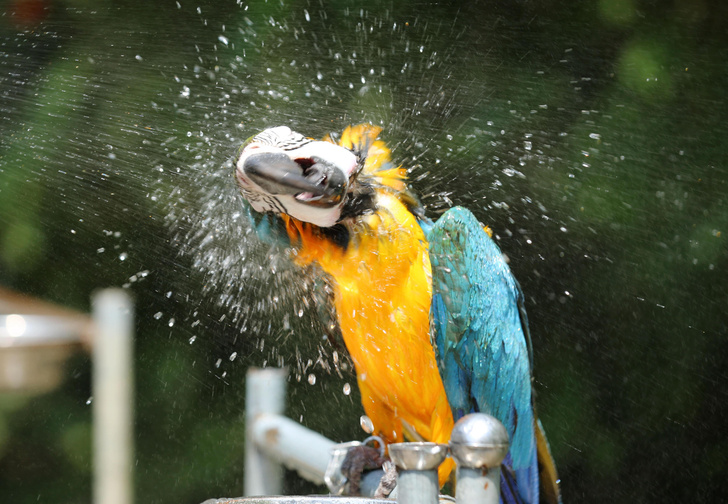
(306, 15)
(223, 39)
(192, 339)
(366, 424)
(233, 356)
(171, 322)
(158, 315)
(100, 250)
(89, 400)
(312, 379)
(347, 389)
(300, 313)
(218, 362)
(123, 256)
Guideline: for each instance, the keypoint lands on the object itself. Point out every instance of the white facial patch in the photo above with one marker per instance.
(305, 206)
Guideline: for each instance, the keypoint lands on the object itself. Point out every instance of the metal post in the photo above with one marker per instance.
(478, 443)
(287, 442)
(265, 393)
(418, 462)
(113, 315)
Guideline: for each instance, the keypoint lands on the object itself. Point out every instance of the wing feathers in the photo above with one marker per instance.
(478, 327)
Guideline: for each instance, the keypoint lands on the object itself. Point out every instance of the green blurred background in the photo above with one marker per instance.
(590, 135)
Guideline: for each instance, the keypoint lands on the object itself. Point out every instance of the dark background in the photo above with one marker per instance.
(590, 136)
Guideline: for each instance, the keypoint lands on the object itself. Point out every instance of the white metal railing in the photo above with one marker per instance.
(113, 316)
(478, 444)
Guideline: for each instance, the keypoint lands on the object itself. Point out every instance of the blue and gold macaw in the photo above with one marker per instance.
(430, 313)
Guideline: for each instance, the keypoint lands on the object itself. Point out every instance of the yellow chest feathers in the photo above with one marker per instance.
(383, 291)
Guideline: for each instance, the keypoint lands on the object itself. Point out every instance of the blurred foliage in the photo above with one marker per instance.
(589, 135)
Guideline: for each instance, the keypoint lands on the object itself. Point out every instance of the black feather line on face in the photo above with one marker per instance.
(275, 204)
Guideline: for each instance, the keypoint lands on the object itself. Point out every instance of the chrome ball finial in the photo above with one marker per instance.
(479, 440)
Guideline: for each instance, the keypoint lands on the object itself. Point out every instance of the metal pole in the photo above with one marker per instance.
(478, 443)
(289, 443)
(265, 393)
(417, 463)
(113, 315)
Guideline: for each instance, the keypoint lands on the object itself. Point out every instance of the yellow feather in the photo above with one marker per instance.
(378, 164)
(383, 291)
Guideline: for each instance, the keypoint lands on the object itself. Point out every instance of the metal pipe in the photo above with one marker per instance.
(370, 483)
(289, 443)
(265, 394)
(478, 443)
(417, 463)
(113, 315)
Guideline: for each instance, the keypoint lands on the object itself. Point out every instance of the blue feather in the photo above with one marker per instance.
(268, 228)
(482, 342)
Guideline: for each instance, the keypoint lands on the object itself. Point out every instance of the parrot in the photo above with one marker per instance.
(430, 313)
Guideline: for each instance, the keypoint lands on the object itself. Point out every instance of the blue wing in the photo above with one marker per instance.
(482, 339)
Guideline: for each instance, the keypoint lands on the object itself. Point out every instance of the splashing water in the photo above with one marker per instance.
(253, 282)
(257, 77)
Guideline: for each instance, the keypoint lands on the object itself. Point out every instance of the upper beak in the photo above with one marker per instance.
(311, 180)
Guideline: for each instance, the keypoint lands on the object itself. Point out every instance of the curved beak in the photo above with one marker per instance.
(310, 180)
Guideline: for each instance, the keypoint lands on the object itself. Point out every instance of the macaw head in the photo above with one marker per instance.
(320, 182)
(282, 171)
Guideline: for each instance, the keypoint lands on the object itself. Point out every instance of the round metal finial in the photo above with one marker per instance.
(417, 456)
(479, 440)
